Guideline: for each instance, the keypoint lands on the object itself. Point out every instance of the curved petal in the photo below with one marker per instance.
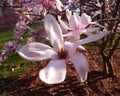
(85, 19)
(68, 45)
(81, 48)
(59, 5)
(91, 38)
(36, 52)
(68, 14)
(54, 72)
(54, 32)
(72, 38)
(87, 31)
(81, 66)
(74, 22)
(63, 25)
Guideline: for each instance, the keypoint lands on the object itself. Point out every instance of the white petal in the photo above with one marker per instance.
(70, 48)
(67, 45)
(54, 32)
(68, 14)
(85, 19)
(81, 48)
(81, 66)
(74, 22)
(63, 25)
(36, 52)
(59, 3)
(54, 72)
(90, 30)
(91, 38)
(59, 7)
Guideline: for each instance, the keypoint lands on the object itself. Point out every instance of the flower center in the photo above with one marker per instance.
(63, 53)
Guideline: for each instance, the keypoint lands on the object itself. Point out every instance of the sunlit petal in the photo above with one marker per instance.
(36, 52)
(91, 38)
(54, 72)
(85, 19)
(74, 22)
(54, 32)
(63, 25)
(59, 3)
(81, 66)
(68, 14)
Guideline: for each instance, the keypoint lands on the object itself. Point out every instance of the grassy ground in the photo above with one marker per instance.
(11, 68)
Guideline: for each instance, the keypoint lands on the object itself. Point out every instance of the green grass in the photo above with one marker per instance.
(11, 68)
(6, 34)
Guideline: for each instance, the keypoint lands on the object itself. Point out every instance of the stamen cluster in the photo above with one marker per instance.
(63, 53)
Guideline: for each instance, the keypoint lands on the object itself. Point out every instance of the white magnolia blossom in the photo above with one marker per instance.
(61, 52)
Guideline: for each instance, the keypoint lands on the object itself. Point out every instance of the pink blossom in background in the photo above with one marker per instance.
(77, 25)
(20, 29)
(54, 3)
(30, 40)
(10, 45)
(39, 7)
(61, 52)
(38, 35)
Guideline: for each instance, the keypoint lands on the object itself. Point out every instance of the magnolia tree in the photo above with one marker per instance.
(59, 37)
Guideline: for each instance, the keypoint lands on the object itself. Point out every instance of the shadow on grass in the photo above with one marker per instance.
(5, 83)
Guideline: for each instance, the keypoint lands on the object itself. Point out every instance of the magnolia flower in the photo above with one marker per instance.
(76, 26)
(40, 6)
(54, 3)
(59, 54)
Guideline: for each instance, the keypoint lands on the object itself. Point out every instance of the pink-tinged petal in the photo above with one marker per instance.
(68, 14)
(74, 22)
(63, 25)
(85, 19)
(54, 32)
(76, 33)
(67, 45)
(81, 66)
(81, 48)
(72, 38)
(88, 31)
(100, 25)
(36, 52)
(52, 2)
(54, 72)
(91, 38)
